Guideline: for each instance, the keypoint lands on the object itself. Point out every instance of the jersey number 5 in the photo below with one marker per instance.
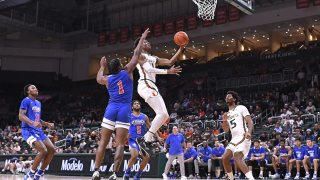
(121, 91)
(233, 124)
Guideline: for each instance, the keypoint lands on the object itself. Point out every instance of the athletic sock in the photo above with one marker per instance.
(128, 170)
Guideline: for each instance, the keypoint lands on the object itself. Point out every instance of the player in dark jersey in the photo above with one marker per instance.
(118, 111)
(138, 127)
(30, 115)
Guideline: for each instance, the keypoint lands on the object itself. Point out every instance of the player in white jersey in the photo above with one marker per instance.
(239, 122)
(148, 90)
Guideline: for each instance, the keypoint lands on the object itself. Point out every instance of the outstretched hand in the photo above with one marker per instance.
(174, 70)
(103, 62)
(145, 33)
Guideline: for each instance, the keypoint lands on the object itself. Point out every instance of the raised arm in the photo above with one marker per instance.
(170, 62)
(137, 52)
(101, 79)
(173, 70)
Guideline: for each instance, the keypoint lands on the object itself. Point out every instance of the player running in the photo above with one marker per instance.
(239, 122)
(138, 126)
(117, 114)
(30, 115)
(148, 90)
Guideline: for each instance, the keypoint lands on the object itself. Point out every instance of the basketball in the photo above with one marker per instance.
(181, 38)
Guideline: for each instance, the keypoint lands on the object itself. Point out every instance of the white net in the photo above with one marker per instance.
(206, 8)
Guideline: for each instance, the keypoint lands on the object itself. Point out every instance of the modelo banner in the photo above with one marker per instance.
(83, 164)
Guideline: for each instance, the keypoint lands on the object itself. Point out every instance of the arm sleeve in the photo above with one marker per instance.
(24, 104)
(244, 111)
(148, 68)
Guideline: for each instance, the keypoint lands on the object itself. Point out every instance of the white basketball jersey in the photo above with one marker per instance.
(151, 60)
(236, 121)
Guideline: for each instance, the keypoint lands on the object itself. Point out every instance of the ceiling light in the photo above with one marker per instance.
(315, 20)
(301, 33)
(243, 37)
(312, 26)
(202, 46)
(263, 36)
(244, 32)
(290, 35)
(278, 27)
(212, 38)
(193, 46)
(255, 30)
(222, 36)
(286, 32)
(165, 46)
(228, 45)
(199, 49)
(258, 40)
(192, 41)
(290, 24)
(268, 38)
(298, 30)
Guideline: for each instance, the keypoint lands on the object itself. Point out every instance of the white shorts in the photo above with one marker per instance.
(146, 92)
(240, 144)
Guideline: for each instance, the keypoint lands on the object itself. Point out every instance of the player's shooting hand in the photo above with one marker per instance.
(248, 135)
(145, 33)
(225, 117)
(103, 62)
(36, 124)
(174, 70)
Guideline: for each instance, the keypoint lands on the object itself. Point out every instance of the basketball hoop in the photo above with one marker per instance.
(206, 8)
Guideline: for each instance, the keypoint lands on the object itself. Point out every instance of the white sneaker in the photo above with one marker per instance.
(260, 176)
(164, 176)
(288, 175)
(183, 178)
(314, 176)
(307, 176)
(275, 176)
(297, 177)
(190, 177)
(96, 176)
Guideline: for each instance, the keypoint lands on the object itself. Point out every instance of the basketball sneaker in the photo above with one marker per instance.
(29, 176)
(113, 176)
(96, 175)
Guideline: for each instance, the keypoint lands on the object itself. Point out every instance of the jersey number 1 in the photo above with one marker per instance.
(121, 91)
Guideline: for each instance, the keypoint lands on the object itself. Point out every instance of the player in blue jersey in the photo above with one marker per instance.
(281, 156)
(311, 156)
(138, 127)
(257, 157)
(297, 158)
(118, 112)
(30, 115)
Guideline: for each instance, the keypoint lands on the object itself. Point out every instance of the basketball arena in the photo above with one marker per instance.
(159, 89)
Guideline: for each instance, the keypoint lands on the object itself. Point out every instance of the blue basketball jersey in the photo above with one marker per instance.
(257, 152)
(283, 152)
(312, 152)
(137, 126)
(298, 153)
(120, 87)
(33, 111)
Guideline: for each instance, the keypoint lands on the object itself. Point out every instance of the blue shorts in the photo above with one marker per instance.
(117, 115)
(133, 144)
(30, 135)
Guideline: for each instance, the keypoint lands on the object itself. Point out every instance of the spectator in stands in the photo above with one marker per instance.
(281, 156)
(264, 137)
(287, 127)
(190, 156)
(298, 156)
(269, 123)
(257, 157)
(290, 140)
(299, 121)
(311, 158)
(204, 159)
(309, 135)
(310, 108)
(278, 128)
(217, 153)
